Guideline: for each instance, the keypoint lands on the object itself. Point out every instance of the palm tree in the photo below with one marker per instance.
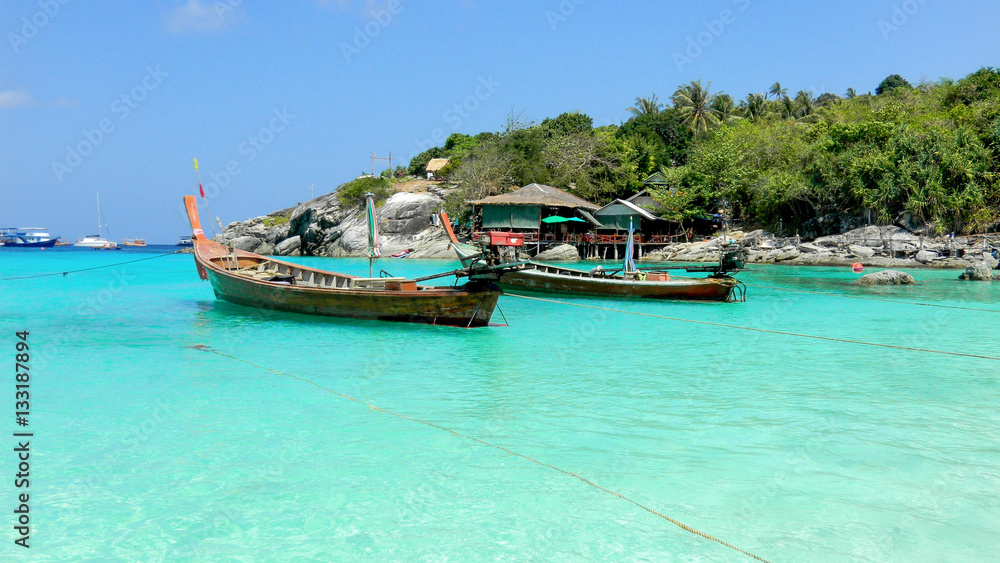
(645, 105)
(695, 107)
(850, 93)
(754, 107)
(777, 91)
(724, 108)
(804, 105)
(786, 107)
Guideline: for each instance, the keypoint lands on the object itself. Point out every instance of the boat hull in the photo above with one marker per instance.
(469, 305)
(464, 306)
(98, 243)
(39, 244)
(565, 280)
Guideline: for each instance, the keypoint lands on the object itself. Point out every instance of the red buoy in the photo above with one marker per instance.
(857, 267)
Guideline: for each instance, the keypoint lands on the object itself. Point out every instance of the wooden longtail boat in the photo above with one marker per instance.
(499, 248)
(263, 282)
(660, 285)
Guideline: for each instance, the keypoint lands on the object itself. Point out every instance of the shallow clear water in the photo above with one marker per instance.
(790, 448)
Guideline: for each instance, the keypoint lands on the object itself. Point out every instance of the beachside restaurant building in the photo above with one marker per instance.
(544, 214)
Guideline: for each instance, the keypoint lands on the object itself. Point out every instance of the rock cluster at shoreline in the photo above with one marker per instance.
(322, 227)
(886, 246)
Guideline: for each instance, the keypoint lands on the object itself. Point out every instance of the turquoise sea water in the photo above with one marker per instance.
(790, 448)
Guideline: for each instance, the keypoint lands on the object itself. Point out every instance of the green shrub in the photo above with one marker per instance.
(353, 192)
(275, 221)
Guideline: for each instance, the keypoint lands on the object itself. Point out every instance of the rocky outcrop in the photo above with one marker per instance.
(926, 256)
(886, 277)
(881, 247)
(562, 252)
(860, 251)
(321, 227)
(980, 271)
(289, 247)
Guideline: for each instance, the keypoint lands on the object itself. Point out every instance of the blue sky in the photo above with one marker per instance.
(118, 98)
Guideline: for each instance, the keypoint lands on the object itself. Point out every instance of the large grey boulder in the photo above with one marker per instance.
(433, 248)
(289, 246)
(322, 227)
(811, 248)
(886, 277)
(879, 236)
(787, 253)
(926, 256)
(563, 252)
(861, 251)
(247, 243)
(980, 271)
(408, 214)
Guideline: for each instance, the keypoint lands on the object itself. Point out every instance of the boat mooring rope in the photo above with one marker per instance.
(867, 298)
(89, 269)
(752, 329)
(653, 511)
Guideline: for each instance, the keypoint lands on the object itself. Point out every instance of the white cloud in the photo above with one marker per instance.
(15, 99)
(203, 17)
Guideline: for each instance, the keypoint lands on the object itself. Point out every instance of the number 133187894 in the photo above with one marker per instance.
(22, 377)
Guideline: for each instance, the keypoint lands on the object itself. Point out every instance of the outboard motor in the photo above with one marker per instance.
(732, 259)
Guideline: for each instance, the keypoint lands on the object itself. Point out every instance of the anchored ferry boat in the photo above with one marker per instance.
(22, 237)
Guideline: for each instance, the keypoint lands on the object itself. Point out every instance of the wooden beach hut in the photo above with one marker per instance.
(620, 213)
(434, 166)
(542, 213)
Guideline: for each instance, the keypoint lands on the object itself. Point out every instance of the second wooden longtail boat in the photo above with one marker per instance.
(264, 282)
(498, 248)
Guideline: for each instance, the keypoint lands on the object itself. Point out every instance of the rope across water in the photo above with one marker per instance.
(480, 441)
(866, 298)
(752, 329)
(90, 269)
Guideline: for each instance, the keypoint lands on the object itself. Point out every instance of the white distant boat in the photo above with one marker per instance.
(97, 241)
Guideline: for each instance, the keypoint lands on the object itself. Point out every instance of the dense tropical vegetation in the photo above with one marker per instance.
(927, 155)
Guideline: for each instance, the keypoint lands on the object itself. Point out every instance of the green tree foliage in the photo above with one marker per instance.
(645, 106)
(827, 99)
(694, 104)
(572, 123)
(754, 107)
(931, 153)
(725, 108)
(657, 139)
(419, 162)
(891, 83)
(353, 192)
